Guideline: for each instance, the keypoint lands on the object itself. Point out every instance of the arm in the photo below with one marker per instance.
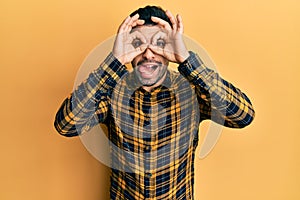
(219, 100)
(88, 104)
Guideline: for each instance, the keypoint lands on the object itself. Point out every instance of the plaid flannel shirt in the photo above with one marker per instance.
(153, 134)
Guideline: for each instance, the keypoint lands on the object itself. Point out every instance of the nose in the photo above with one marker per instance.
(148, 54)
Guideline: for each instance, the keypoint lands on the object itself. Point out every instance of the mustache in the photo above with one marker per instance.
(146, 61)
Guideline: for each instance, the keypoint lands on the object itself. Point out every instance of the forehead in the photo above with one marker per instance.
(148, 30)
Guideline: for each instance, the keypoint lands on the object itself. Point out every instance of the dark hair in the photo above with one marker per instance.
(148, 11)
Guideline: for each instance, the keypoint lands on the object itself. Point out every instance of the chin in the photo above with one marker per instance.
(148, 84)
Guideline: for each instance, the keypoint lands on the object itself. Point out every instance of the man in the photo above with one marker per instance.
(152, 113)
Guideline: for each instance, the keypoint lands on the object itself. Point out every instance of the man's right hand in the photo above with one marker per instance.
(128, 45)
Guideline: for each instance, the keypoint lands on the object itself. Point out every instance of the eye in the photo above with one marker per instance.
(136, 43)
(161, 43)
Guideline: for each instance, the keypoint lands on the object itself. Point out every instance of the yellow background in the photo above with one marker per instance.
(254, 43)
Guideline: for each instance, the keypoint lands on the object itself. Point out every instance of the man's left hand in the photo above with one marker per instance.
(169, 42)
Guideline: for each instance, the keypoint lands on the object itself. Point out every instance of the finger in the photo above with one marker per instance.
(180, 24)
(161, 22)
(156, 49)
(135, 52)
(142, 48)
(135, 17)
(128, 22)
(133, 22)
(128, 25)
(139, 35)
(124, 24)
(157, 36)
(138, 22)
(172, 19)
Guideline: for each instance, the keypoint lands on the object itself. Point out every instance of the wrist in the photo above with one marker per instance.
(183, 57)
(118, 58)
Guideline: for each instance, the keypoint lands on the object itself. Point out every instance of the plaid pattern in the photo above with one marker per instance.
(154, 134)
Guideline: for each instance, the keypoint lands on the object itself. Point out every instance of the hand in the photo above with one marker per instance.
(128, 45)
(169, 42)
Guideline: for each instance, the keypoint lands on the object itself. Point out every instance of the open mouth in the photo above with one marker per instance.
(147, 69)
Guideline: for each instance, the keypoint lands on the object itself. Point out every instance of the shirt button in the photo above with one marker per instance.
(148, 148)
(203, 96)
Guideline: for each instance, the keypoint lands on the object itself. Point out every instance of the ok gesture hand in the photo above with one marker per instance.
(169, 42)
(129, 44)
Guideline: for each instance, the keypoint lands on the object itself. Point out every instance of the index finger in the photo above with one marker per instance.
(161, 22)
(180, 24)
(130, 22)
(172, 19)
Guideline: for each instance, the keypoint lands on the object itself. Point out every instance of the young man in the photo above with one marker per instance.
(152, 113)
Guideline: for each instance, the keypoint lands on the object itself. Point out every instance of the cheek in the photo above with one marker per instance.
(134, 62)
(165, 62)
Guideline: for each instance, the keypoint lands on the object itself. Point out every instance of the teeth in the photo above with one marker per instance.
(145, 68)
(150, 66)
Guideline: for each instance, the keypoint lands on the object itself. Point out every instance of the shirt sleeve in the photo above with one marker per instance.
(218, 99)
(87, 105)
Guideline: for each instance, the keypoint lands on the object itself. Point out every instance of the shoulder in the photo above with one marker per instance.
(177, 80)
